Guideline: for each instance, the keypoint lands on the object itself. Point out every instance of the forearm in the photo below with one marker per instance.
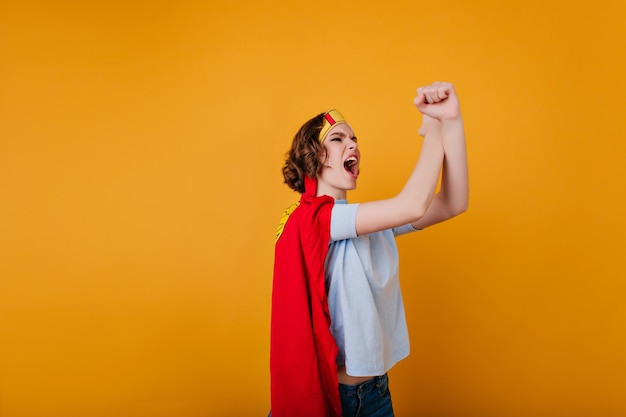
(452, 197)
(419, 190)
(454, 191)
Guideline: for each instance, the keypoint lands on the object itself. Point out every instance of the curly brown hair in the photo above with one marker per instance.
(304, 156)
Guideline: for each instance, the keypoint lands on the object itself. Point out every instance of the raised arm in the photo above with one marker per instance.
(453, 196)
(411, 204)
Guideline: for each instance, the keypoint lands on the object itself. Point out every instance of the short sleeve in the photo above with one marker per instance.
(343, 221)
(402, 230)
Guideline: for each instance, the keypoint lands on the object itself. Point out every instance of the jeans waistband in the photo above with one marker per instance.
(363, 388)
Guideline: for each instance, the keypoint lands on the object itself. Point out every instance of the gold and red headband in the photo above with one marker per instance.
(331, 118)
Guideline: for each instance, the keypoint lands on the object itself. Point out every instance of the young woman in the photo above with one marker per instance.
(338, 323)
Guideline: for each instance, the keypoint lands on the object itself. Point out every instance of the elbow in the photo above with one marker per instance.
(456, 203)
(459, 208)
(452, 208)
(459, 211)
(417, 215)
(417, 212)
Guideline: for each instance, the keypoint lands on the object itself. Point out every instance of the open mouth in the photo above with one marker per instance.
(351, 165)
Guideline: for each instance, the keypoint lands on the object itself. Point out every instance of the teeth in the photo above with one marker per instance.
(350, 164)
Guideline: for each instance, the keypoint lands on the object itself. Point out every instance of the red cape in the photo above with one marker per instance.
(303, 351)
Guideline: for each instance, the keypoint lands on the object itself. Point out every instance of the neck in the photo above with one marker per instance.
(337, 194)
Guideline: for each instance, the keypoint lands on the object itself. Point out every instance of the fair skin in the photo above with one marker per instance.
(443, 153)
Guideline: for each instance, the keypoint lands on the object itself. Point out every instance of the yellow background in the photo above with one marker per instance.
(140, 153)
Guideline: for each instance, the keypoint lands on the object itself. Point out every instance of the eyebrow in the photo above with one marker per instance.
(342, 134)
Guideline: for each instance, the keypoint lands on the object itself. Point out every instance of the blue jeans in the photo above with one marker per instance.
(369, 399)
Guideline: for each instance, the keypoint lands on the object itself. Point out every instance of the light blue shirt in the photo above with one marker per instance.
(364, 295)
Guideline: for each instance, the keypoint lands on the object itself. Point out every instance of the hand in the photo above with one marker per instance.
(438, 100)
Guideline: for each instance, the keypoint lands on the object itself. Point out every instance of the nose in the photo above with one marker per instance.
(354, 144)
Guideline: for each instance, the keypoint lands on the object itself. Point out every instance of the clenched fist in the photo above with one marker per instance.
(439, 101)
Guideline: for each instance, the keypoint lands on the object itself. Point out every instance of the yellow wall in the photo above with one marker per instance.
(140, 154)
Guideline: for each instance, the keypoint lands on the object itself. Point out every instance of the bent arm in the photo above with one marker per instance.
(443, 152)
(453, 196)
(412, 202)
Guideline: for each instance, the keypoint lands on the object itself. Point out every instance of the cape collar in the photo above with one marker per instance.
(310, 187)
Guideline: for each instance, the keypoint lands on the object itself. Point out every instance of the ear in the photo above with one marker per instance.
(322, 155)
